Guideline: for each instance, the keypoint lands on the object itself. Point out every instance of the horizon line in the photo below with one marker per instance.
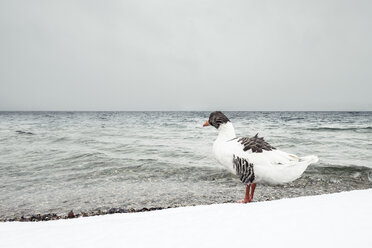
(185, 110)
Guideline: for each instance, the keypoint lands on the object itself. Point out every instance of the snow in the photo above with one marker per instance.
(334, 220)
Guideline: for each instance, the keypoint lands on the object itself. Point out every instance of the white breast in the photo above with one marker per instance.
(223, 155)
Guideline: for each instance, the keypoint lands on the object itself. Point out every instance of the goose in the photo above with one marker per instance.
(252, 159)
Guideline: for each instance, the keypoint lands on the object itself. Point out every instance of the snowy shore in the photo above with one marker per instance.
(335, 220)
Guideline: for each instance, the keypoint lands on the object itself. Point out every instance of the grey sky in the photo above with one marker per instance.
(186, 55)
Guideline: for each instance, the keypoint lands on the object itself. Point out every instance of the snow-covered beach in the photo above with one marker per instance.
(332, 220)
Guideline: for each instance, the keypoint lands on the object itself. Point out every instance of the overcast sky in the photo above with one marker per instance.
(186, 55)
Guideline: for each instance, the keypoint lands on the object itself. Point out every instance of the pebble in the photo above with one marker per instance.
(71, 215)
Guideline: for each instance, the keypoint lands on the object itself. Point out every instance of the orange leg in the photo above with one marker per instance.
(247, 194)
(253, 187)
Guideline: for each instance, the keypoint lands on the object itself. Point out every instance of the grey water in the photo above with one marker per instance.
(54, 162)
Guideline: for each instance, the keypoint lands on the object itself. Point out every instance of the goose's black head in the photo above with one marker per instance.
(216, 118)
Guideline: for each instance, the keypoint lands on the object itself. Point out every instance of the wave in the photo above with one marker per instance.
(61, 139)
(292, 119)
(24, 132)
(84, 156)
(339, 128)
(337, 167)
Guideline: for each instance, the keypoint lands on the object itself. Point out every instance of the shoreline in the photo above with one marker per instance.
(72, 215)
(38, 217)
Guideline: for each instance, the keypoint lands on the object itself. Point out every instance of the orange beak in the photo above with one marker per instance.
(206, 124)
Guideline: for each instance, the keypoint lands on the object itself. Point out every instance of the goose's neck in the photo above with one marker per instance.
(226, 132)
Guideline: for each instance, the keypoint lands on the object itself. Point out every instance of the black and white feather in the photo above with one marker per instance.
(256, 144)
(244, 169)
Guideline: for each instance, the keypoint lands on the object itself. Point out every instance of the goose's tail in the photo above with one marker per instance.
(311, 159)
(286, 171)
(295, 169)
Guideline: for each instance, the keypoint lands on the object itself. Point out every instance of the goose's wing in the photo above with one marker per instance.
(257, 150)
(255, 144)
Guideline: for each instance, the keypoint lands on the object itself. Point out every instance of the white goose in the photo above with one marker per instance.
(252, 159)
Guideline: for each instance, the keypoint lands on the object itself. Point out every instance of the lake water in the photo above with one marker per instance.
(54, 162)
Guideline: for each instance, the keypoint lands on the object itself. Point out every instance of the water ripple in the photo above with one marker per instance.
(58, 161)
